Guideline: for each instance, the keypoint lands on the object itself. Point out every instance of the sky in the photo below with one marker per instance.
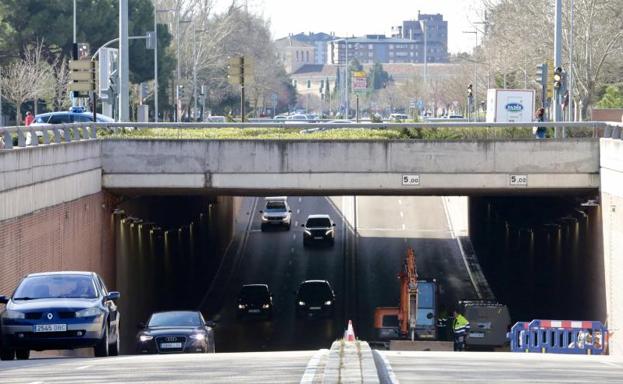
(348, 17)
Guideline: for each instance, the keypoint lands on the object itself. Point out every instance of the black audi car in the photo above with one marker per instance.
(175, 332)
(59, 310)
(318, 229)
(255, 300)
(315, 298)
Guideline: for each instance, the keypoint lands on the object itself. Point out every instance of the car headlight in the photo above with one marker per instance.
(301, 303)
(8, 314)
(89, 312)
(264, 218)
(266, 306)
(144, 338)
(198, 336)
(308, 232)
(330, 231)
(328, 302)
(241, 306)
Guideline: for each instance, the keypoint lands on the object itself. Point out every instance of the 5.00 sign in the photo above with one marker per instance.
(518, 180)
(410, 180)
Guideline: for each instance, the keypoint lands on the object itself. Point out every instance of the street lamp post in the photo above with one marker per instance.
(195, 64)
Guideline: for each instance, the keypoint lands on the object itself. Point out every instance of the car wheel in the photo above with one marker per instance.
(7, 354)
(101, 349)
(22, 354)
(262, 227)
(115, 347)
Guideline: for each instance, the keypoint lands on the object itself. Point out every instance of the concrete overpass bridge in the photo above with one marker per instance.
(73, 183)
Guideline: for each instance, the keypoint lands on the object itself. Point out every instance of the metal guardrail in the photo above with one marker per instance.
(20, 136)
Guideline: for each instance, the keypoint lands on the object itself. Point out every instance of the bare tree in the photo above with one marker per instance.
(60, 96)
(26, 79)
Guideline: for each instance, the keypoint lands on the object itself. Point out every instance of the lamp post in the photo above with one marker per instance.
(475, 82)
(178, 77)
(195, 64)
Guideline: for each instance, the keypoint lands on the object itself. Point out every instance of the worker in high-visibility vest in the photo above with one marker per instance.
(460, 326)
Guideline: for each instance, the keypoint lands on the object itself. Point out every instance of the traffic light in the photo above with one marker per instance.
(180, 91)
(470, 92)
(541, 74)
(558, 77)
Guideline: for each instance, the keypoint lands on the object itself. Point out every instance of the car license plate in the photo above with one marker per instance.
(254, 311)
(317, 237)
(314, 308)
(170, 345)
(477, 335)
(50, 328)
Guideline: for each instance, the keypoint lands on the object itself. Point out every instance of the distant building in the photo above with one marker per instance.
(375, 48)
(319, 41)
(436, 35)
(294, 54)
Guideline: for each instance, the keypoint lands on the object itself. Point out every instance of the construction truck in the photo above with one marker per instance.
(416, 316)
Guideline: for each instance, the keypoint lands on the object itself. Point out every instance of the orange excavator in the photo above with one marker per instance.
(416, 316)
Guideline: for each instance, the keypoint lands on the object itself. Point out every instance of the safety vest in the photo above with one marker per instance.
(461, 325)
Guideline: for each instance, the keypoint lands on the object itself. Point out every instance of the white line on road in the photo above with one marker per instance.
(83, 367)
(296, 223)
(300, 199)
(404, 227)
(610, 363)
(255, 230)
(36, 382)
(298, 211)
(402, 214)
(399, 201)
(291, 250)
(294, 236)
(312, 366)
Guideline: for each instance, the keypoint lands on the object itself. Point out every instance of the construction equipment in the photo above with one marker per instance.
(404, 322)
(489, 323)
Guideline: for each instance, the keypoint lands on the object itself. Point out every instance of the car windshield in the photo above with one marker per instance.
(175, 319)
(314, 291)
(254, 293)
(56, 286)
(42, 119)
(318, 222)
(275, 206)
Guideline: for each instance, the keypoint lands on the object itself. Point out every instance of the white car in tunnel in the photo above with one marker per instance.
(276, 213)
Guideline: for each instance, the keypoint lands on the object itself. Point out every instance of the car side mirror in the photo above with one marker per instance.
(4, 299)
(211, 323)
(114, 296)
(141, 325)
(261, 211)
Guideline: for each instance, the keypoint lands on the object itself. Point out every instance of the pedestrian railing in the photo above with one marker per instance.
(559, 336)
(20, 136)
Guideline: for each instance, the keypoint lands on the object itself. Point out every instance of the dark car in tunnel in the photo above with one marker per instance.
(315, 298)
(59, 310)
(175, 332)
(255, 300)
(318, 229)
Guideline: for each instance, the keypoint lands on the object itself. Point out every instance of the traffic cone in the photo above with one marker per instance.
(350, 332)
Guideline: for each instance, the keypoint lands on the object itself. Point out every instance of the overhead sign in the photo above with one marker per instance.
(83, 77)
(410, 180)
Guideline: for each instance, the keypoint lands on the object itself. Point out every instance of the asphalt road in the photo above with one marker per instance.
(277, 258)
(227, 368)
(500, 367)
(363, 275)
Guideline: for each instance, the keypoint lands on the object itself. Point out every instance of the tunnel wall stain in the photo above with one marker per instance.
(543, 257)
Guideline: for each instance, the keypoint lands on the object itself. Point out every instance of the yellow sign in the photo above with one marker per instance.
(360, 74)
(79, 65)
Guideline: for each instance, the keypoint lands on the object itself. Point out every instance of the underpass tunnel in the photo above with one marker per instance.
(542, 256)
(167, 251)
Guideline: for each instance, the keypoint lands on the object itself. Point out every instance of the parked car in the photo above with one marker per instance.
(60, 310)
(276, 212)
(318, 229)
(75, 115)
(215, 119)
(398, 117)
(176, 332)
(255, 300)
(315, 298)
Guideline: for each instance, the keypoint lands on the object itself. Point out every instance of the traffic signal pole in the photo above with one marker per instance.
(242, 111)
(557, 63)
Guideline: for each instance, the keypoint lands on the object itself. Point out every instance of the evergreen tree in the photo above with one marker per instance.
(612, 98)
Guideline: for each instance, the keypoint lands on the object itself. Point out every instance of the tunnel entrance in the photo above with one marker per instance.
(195, 252)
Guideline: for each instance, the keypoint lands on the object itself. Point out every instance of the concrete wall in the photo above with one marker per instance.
(612, 216)
(45, 176)
(264, 166)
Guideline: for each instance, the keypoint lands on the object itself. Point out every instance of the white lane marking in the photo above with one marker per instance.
(36, 382)
(404, 227)
(83, 367)
(312, 366)
(300, 199)
(291, 250)
(298, 211)
(294, 236)
(610, 363)
(255, 230)
(402, 214)
(458, 241)
(399, 202)
(388, 368)
(296, 223)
